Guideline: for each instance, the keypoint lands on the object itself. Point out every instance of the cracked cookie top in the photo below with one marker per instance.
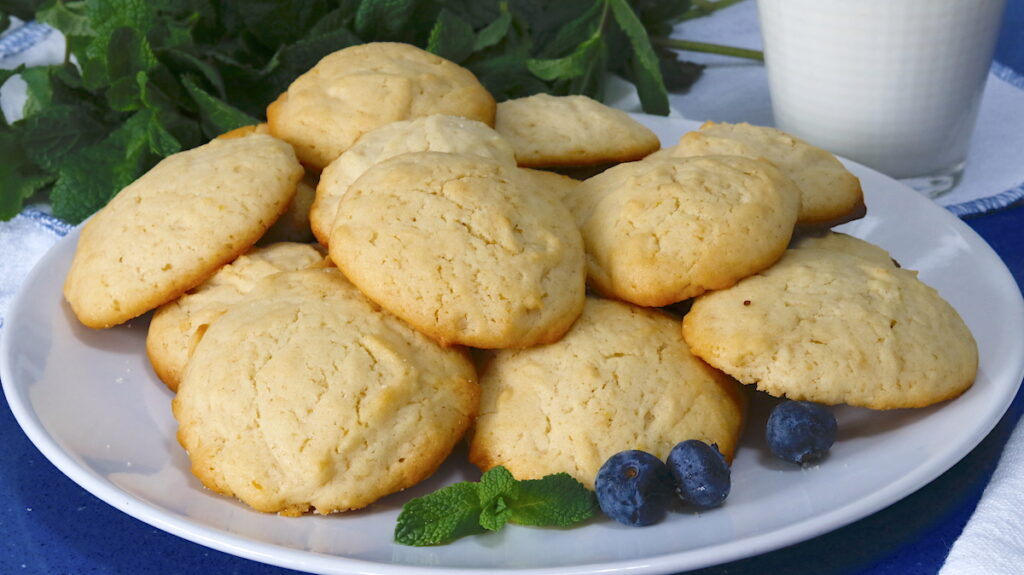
(437, 133)
(467, 250)
(305, 395)
(359, 88)
(836, 321)
(666, 229)
(176, 225)
(622, 378)
(177, 326)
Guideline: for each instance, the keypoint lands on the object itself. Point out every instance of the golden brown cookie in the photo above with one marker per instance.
(550, 131)
(659, 231)
(465, 249)
(622, 378)
(829, 193)
(835, 321)
(177, 224)
(306, 396)
(437, 133)
(177, 326)
(357, 89)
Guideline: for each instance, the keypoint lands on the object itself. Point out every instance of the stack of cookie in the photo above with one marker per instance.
(445, 295)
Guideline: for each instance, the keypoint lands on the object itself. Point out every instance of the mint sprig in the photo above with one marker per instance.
(470, 508)
(144, 79)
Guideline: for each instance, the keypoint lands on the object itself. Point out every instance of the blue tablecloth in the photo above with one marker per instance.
(51, 525)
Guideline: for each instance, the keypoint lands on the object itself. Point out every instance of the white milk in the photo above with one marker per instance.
(893, 84)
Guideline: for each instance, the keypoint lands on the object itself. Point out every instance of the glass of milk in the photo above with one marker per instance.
(892, 84)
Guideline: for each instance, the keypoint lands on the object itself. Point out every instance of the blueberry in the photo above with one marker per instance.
(800, 431)
(634, 488)
(700, 472)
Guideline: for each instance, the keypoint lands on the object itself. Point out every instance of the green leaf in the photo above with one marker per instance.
(506, 76)
(161, 142)
(294, 59)
(496, 515)
(586, 25)
(124, 95)
(341, 17)
(19, 179)
(68, 17)
(216, 115)
(571, 66)
(440, 517)
(128, 52)
(38, 89)
(105, 17)
(497, 488)
(494, 32)
(382, 19)
(53, 133)
(646, 70)
(452, 37)
(182, 62)
(90, 177)
(278, 23)
(556, 500)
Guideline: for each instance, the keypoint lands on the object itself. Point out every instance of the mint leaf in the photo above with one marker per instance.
(645, 66)
(68, 17)
(494, 32)
(468, 508)
(91, 176)
(49, 135)
(586, 25)
(19, 179)
(571, 66)
(497, 489)
(440, 517)
(556, 500)
(217, 116)
(383, 19)
(452, 37)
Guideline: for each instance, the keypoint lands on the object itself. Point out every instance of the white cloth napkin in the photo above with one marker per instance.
(992, 543)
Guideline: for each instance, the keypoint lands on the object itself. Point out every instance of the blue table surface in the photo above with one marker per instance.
(51, 525)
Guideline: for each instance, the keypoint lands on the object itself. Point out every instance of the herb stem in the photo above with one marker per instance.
(708, 48)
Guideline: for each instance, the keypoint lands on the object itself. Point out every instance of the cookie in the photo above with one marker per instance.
(829, 193)
(622, 378)
(177, 224)
(834, 323)
(293, 225)
(177, 326)
(555, 185)
(549, 131)
(465, 249)
(306, 396)
(244, 131)
(660, 231)
(437, 133)
(355, 90)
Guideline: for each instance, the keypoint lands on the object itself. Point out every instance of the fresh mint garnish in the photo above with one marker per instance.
(152, 78)
(469, 508)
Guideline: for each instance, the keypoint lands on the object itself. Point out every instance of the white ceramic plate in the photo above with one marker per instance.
(90, 402)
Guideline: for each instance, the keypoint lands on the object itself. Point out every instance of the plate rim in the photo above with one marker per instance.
(288, 557)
